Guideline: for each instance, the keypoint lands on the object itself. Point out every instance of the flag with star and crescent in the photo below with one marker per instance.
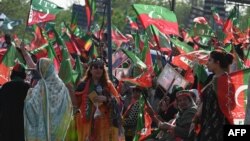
(232, 95)
(162, 18)
(8, 24)
(42, 11)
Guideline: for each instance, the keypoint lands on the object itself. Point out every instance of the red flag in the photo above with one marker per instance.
(200, 20)
(38, 17)
(90, 11)
(2, 52)
(185, 35)
(145, 80)
(189, 76)
(70, 43)
(228, 26)
(164, 19)
(42, 11)
(4, 74)
(39, 39)
(143, 127)
(132, 22)
(117, 37)
(185, 61)
(216, 16)
(232, 96)
(146, 131)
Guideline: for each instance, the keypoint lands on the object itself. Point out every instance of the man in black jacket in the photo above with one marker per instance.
(12, 95)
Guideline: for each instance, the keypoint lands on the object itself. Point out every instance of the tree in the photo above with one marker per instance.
(19, 9)
(182, 12)
(244, 19)
(14, 9)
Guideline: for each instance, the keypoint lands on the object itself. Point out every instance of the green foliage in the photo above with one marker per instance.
(63, 16)
(182, 11)
(15, 10)
(244, 20)
(19, 9)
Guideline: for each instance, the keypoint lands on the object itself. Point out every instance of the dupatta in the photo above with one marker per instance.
(48, 107)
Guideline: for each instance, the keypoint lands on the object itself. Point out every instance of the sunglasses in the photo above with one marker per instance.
(97, 67)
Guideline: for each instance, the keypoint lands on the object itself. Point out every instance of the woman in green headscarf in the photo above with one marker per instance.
(48, 107)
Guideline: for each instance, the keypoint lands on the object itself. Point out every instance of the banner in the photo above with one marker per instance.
(170, 77)
(118, 58)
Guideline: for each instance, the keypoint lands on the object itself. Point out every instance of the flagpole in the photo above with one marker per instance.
(173, 5)
(171, 44)
(109, 39)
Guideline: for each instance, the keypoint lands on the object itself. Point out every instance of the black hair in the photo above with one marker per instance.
(17, 74)
(239, 51)
(225, 59)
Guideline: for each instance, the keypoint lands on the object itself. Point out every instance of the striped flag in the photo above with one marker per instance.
(143, 127)
(132, 22)
(164, 19)
(232, 96)
(42, 11)
(181, 46)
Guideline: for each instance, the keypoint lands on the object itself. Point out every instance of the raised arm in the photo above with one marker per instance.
(30, 63)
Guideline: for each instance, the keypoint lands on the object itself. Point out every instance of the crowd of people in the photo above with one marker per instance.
(169, 83)
(45, 108)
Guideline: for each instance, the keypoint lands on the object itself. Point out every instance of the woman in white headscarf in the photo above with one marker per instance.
(48, 107)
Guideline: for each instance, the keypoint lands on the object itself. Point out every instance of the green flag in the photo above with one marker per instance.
(200, 29)
(10, 57)
(45, 6)
(228, 48)
(181, 46)
(144, 121)
(134, 59)
(93, 53)
(157, 70)
(164, 19)
(79, 68)
(140, 120)
(66, 72)
(231, 21)
(145, 49)
(201, 73)
(160, 39)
